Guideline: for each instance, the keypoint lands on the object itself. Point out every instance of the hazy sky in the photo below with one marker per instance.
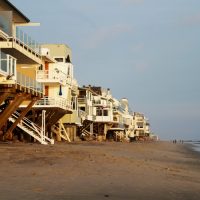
(145, 50)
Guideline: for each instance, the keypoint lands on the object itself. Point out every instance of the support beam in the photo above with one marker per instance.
(66, 134)
(22, 115)
(12, 107)
(3, 97)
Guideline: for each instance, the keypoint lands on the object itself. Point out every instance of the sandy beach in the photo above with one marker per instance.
(91, 170)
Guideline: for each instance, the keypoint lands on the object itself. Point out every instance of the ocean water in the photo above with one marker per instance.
(196, 146)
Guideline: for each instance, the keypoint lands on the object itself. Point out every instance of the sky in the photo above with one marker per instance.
(144, 50)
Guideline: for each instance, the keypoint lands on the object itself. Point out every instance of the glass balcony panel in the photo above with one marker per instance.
(27, 40)
(4, 65)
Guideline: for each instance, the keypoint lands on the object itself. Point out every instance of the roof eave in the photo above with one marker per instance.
(18, 11)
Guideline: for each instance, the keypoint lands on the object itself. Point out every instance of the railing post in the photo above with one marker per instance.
(0, 59)
(7, 68)
(43, 127)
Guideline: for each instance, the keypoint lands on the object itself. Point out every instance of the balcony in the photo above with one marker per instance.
(28, 84)
(7, 65)
(82, 100)
(52, 77)
(104, 119)
(57, 102)
(22, 46)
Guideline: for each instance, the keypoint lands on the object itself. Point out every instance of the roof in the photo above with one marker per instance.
(17, 10)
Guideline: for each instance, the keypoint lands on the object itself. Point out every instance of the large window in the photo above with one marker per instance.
(105, 112)
(99, 112)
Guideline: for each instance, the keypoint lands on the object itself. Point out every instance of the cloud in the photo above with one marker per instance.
(106, 34)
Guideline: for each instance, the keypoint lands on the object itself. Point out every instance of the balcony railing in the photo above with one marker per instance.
(7, 65)
(28, 41)
(104, 118)
(82, 100)
(29, 83)
(58, 102)
(48, 76)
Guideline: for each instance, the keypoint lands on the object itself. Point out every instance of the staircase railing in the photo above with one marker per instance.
(28, 126)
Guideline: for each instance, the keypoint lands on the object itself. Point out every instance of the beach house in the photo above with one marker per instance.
(123, 119)
(61, 90)
(103, 110)
(141, 126)
(86, 112)
(19, 57)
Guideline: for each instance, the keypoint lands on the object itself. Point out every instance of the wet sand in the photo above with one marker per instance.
(91, 170)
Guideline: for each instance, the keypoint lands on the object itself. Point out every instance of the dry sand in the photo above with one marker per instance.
(91, 170)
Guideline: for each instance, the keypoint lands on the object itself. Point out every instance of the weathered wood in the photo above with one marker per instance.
(3, 97)
(12, 107)
(22, 115)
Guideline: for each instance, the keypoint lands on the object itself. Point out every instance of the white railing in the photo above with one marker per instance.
(28, 82)
(82, 100)
(51, 76)
(104, 118)
(54, 102)
(31, 128)
(7, 65)
(4, 35)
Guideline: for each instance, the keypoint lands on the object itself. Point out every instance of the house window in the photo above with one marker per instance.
(140, 125)
(105, 112)
(40, 67)
(59, 59)
(82, 108)
(99, 112)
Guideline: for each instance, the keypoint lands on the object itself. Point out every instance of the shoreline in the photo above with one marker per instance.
(98, 170)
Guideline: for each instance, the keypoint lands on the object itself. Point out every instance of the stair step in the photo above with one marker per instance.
(31, 131)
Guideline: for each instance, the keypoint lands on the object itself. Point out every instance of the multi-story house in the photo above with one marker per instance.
(86, 112)
(96, 112)
(103, 110)
(141, 126)
(19, 57)
(60, 98)
(123, 118)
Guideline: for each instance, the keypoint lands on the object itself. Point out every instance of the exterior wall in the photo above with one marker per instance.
(58, 50)
(28, 70)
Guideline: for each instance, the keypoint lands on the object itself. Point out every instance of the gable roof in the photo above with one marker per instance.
(17, 10)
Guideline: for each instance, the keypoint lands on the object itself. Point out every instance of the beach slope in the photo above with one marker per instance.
(91, 170)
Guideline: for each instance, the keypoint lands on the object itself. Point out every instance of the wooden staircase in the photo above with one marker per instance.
(84, 133)
(31, 128)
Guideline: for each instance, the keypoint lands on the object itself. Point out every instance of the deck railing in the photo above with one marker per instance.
(51, 76)
(27, 40)
(58, 102)
(29, 83)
